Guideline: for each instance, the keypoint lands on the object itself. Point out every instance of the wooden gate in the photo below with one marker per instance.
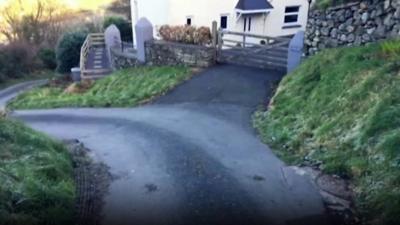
(253, 50)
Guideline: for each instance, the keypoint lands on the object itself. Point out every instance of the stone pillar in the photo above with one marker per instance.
(112, 38)
(295, 51)
(214, 33)
(144, 32)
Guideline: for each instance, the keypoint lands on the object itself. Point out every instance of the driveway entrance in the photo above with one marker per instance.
(191, 157)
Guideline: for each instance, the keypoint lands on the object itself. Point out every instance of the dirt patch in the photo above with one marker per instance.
(92, 182)
(79, 88)
(337, 194)
(3, 112)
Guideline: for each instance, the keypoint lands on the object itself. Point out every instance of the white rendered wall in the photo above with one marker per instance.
(203, 12)
(156, 11)
(275, 20)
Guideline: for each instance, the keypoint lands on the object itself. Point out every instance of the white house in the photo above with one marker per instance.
(264, 17)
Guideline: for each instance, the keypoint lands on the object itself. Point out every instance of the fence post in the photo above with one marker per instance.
(214, 36)
(144, 32)
(220, 42)
(214, 33)
(295, 51)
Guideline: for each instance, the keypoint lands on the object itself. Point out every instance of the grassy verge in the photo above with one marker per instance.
(341, 110)
(31, 77)
(36, 178)
(124, 88)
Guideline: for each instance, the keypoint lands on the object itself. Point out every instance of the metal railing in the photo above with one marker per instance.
(124, 47)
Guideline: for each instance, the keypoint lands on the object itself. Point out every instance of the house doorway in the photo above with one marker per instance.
(247, 23)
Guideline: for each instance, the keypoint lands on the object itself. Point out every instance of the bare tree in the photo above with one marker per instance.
(122, 7)
(40, 23)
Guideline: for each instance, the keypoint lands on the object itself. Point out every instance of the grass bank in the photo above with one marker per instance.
(341, 110)
(36, 178)
(125, 88)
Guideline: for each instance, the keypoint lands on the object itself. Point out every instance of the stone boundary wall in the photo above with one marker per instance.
(170, 53)
(352, 24)
(122, 60)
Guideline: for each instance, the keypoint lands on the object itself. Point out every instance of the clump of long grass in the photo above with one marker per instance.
(36, 178)
(391, 48)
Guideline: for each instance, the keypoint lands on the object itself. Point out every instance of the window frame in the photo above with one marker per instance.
(226, 22)
(189, 18)
(247, 20)
(290, 13)
(249, 25)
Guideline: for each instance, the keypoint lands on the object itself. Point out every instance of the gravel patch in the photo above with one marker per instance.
(337, 194)
(92, 182)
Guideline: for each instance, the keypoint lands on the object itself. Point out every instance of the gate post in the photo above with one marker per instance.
(220, 40)
(112, 37)
(214, 37)
(144, 32)
(214, 34)
(295, 51)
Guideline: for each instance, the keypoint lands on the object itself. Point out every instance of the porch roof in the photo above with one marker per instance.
(253, 5)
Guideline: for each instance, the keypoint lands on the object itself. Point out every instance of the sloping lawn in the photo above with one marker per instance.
(36, 178)
(125, 88)
(341, 110)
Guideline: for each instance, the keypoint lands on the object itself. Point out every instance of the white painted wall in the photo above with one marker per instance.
(156, 11)
(203, 12)
(275, 20)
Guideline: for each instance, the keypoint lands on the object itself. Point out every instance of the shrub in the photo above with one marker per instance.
(17, 59)
(124, 26)
(48, 58)
(68, 50)
(186, 34)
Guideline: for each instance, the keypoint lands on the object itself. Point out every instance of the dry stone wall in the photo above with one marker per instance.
(352, 24)
(170, 53)
(122, 60)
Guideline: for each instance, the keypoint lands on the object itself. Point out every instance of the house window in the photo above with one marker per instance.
(224, 22)
(292, 9)
(292, 14)
(189, 21)
(247, 24)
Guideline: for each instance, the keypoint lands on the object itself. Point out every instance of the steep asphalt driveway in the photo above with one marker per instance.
(191, 157)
